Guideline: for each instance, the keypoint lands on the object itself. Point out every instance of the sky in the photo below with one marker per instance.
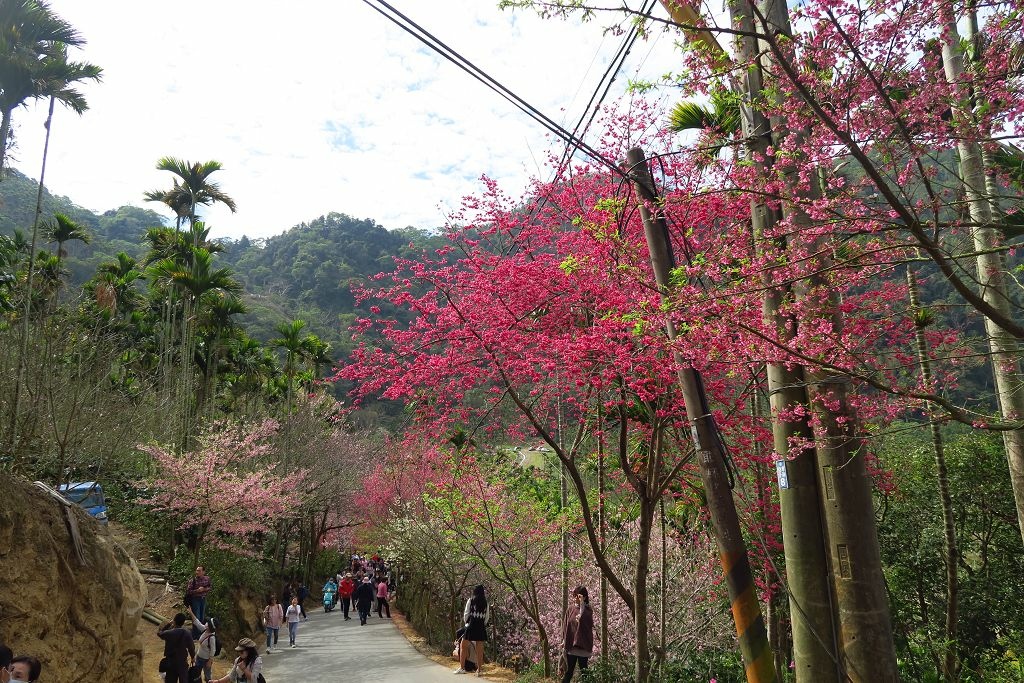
(323, 106)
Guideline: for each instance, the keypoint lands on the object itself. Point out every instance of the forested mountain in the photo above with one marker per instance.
(112, 231)
(306, 272)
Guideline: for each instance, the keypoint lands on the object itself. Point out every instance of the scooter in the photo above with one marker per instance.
(328, 600)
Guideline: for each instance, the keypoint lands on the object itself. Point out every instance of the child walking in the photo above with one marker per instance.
(293, 615)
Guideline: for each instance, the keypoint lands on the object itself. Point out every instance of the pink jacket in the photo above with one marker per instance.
(273, 615)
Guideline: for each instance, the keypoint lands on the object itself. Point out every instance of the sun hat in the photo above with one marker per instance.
(244, 643)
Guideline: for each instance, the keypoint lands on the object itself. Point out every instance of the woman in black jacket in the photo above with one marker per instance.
(476, 615)
(364, 599)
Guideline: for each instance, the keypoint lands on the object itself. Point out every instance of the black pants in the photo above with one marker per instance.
(570, 667)
(383, 603)
(345, 602)
(364, 611)
(178, 672)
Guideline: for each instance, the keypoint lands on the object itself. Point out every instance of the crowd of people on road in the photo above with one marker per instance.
(365, 582)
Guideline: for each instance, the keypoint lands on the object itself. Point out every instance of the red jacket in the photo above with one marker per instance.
(346, 587)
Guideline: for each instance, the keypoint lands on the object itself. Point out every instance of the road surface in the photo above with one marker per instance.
(331, 649)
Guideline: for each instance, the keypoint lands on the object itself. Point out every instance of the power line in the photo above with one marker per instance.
(414, 29)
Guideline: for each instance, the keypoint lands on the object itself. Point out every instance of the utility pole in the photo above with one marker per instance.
(746, 610)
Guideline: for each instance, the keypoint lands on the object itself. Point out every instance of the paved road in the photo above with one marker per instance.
(331, 649)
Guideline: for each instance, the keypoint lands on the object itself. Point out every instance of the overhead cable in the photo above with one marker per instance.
(389, 12)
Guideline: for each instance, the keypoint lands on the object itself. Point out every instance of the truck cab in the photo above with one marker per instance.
(88, 495)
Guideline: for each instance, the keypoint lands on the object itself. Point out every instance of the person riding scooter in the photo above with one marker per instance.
(330, 588)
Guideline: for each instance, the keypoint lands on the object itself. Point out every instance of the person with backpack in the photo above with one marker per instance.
(248, 666)
(178, 649)
(273, 617)
(196, 592)
(208, 646)
(476, 615)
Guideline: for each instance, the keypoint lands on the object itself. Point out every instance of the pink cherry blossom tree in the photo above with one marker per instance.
(228, 489)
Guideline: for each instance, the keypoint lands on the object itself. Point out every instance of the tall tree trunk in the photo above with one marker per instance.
(5, 132)
(663, 590)
(27, 312)
(865, 630)
(1004, 348)
(807, 570)
(602, 525)
(950, 551)
(642, 672)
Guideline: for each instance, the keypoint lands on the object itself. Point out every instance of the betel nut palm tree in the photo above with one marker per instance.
(192, 188)
(34, 62)
(63, 230)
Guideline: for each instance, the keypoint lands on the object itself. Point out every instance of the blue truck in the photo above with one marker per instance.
(87, 495)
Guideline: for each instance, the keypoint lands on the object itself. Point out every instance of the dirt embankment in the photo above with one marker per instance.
(76, 605)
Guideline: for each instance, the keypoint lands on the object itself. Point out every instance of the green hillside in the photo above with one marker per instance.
(306, 272)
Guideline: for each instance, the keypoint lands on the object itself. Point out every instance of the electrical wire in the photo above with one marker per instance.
(414, 29)
(609, 76)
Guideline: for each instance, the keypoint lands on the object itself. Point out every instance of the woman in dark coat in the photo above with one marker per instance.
(579, 633)
(476, 615)
(364, 599)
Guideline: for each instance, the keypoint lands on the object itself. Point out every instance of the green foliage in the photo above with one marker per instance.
(328, 562)
(228, 572)
(910, 534)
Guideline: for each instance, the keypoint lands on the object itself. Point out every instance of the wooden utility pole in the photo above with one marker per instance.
(746, 610)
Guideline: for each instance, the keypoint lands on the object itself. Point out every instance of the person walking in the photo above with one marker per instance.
(476, 615)
(178, 649)
(207, 645)
(248, 666)
(302, 593)
(273, 617)
(382, 598)
(345, 589)
(293, 615)
(579, 634)
(287, 593)
(364, 599)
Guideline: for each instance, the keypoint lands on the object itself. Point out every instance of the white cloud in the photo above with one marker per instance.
(323, 106)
